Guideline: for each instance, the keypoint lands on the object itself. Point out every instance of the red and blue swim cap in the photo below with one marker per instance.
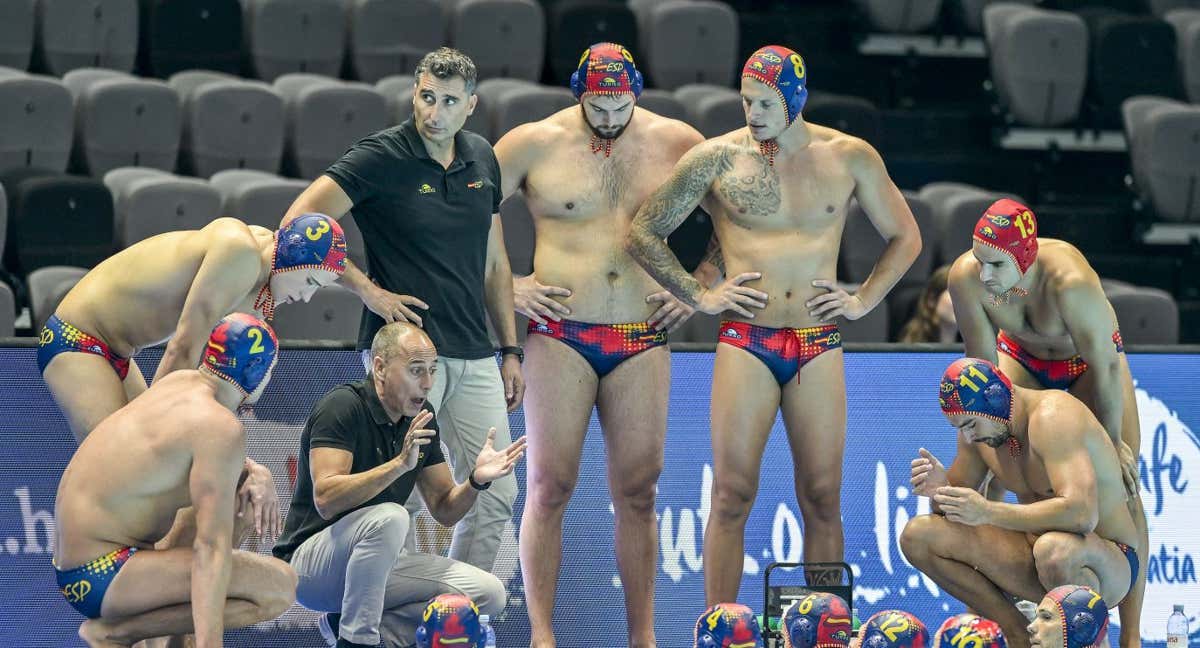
(819, 620)
(894, 629)
(1083, 613)
(310, 242)
(450, 621)
(728, 625)
(977, 387)
(1010, 227)
(241, 351)
(784, 70)
(969, 631)
(606, 69)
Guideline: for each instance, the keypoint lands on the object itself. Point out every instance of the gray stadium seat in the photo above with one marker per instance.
(972, 12)
(47, 286)
(284, 36)
(851, 115)
(36, 123)
(386, 37)
(505, 38)
(527, 104)
(662, 103)
(901, 16)
(1164, 147)
(676, 30)
(16, 34)
(956, 208)
(325, 117)
(712, 110)
(3, 216)
(150, 202)
(121, 120)
(8, 311)
(862, 245)
(1187, 38)
(332, 314)
(519, 236)
(256, 197)
(1146, 316)
(873, 327)
(228, 123)
(397, 91)
(100, 33)
(56, 219)
(489, 92)
(1161, 8)
(1038, 62)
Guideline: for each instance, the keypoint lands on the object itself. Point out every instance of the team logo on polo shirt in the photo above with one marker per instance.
(426, 189)
(478, 184)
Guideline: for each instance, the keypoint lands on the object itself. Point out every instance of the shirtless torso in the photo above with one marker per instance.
(126, 482)
(1026, 476)
(597, 336)
(133, 299)
(583, 203)
(779, 206)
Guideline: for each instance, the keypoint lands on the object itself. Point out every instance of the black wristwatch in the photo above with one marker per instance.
(476, 485)
(513, 350)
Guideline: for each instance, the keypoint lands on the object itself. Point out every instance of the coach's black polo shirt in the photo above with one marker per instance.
(426, 230)
(351, 418)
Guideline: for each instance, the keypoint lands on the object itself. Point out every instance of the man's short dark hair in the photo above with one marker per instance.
(447, 62)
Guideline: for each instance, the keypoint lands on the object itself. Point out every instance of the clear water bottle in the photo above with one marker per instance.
(1177, 629)
(490, 635)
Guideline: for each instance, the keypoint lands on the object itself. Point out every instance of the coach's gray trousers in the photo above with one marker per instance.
(359, 566)
(468, 396)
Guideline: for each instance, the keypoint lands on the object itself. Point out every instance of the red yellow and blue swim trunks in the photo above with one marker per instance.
(58, 337)
(603, 346)
(785, 351)
(1051, 374)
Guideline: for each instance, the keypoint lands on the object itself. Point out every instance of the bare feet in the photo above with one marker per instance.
(95, 633)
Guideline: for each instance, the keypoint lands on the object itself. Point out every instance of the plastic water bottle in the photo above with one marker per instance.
(490, 635)
(1177, 629)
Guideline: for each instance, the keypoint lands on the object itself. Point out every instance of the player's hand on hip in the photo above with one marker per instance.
(514, 381)
(394, 308)
(963, 505)
(492, 464)
(671, 314)
(258, 499)
(834, 303)
(928, 474)
(1129, 468)
(416, 437)
(731, 295)
(536, 301)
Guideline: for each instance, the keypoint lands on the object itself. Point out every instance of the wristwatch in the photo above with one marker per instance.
(476, 485)
(513, 350)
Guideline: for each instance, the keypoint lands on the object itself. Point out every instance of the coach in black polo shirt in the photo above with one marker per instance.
(426, 196)
(365, 447)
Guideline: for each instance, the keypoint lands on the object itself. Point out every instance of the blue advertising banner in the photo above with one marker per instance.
(892, 411)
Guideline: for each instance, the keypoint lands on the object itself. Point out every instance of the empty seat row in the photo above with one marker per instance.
(913, 16)
(1048, 66)
(1163, 136)
(200, 122)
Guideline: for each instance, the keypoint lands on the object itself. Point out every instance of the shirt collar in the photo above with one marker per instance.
(408, 130)
(378, 414)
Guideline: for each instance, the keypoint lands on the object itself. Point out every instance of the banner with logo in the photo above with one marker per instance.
(892, 411)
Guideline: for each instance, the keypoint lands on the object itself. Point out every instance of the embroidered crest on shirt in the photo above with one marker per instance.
(426, 189)
(478, 184)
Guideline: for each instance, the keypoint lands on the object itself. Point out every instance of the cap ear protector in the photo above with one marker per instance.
(599, 69)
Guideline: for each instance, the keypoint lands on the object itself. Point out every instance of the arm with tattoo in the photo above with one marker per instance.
(712, 267)
(666, 209)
